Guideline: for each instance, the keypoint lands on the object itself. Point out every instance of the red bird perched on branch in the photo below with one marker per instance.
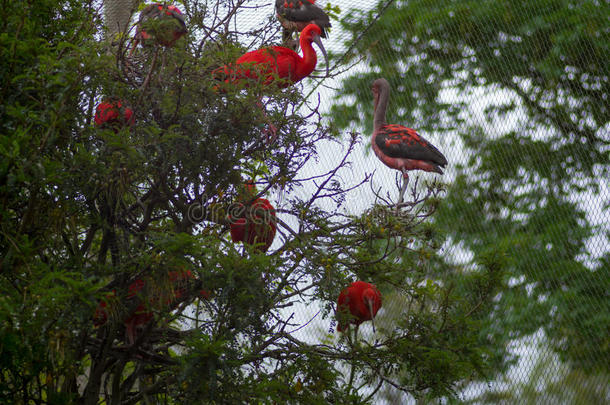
(277, 62)
(295, 15)
(163, 23)
(254, 224)
(143, 313)
(357, 303)
(112, 114)
(399, 147)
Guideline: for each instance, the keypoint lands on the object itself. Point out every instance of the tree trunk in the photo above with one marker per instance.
(118, 13)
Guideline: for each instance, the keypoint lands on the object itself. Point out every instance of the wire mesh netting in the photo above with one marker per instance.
(511, 87)
(515, 95)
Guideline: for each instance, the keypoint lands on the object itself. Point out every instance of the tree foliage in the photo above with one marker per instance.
(87, 211)
(529, 171)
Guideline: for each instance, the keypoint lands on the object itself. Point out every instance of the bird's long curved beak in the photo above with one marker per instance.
(369, 304)
(318, 41)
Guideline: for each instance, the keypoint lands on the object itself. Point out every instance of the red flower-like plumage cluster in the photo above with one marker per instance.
(113, 114)
(144, 311)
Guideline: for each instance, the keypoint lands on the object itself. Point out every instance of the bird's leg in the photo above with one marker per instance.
(130, 331)
(405, 183)
(348, 335)
(288, 41)
(271, 131)
(352, 372)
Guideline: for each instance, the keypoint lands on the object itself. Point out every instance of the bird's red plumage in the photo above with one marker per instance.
(143, 313)
(272, 63)
(400, 147)
(352, 305)
(169, 24)
(258, 227)
(397, 146)
(113, 114)
(275, 62)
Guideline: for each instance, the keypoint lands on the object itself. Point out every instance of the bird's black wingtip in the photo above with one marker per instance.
(439, 168)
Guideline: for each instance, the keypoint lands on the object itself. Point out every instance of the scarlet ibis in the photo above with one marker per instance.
(255, 224)
(278, 62)
(143, 313)
(295, 15)
(357, 303)
(163, 23)
(399, 147)
(113, 114)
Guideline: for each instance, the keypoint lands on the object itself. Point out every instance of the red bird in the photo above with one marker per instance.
(295, 15)
(357, 303)
(113, 114)
(256, 224)
(143, 313)
(399, 147)
(163, 23)
(278, 62)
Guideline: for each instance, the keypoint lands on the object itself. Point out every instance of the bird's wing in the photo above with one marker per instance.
(264, 211)
(157, 11)
(135, 288)
(175, 12)
(273, 59)
(238, 229)
(303, 11)
(397, 141)
(285, 60)
(262, 224)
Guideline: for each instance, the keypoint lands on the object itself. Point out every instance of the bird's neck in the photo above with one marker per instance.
(380, 106)
(309, 59)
